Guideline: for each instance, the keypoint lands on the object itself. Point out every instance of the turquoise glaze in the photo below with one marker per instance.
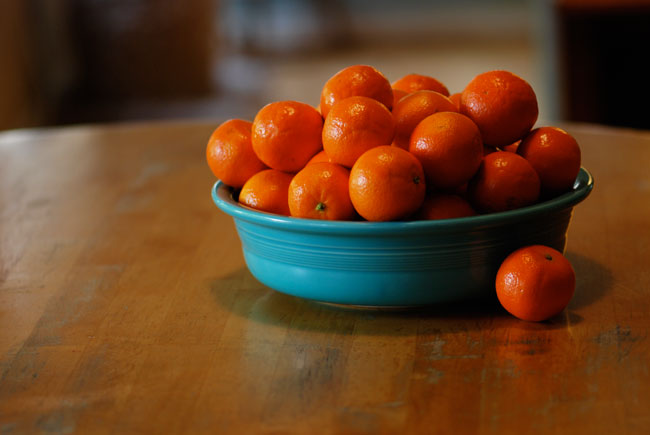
(394, 263)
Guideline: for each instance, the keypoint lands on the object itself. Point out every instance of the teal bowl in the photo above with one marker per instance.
(394, 264)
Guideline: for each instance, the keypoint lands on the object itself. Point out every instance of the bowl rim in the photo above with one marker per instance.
(222, 197)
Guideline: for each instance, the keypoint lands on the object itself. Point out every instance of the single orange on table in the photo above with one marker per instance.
(502, 104)
(320, 191)
(356, 80)
(449, 147)
(535, 283)
(505, 181)
(267, 191)
(443, 206)
(413, 108)
(555, 155)
(387, 183)
(355, 125)
(230, 153)
(418, 82)
(286, 134)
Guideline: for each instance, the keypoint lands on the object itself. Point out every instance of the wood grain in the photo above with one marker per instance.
(126, 307)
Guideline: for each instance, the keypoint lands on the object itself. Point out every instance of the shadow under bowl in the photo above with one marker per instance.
(394, 264)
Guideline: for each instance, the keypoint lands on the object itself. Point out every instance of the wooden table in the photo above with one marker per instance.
(126, 307)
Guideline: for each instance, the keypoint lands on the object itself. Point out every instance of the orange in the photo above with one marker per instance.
(320, 191)
(502, 104)
(444, 206)
(555, 155)
(398, 94)
(512, 147)
(286, 134)
(355, 125)
(449, 147)
(418, 82)
(455, 98)
(386, 183)
(319, 157)
(267, 191)
(413, 108)
(505, 181)
(356, 80)
(535, 283)
(230, 153)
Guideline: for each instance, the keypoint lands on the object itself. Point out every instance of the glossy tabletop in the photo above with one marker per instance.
(126, 307)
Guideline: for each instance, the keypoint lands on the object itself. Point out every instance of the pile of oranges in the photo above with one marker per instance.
(409, 150)
(378, 151)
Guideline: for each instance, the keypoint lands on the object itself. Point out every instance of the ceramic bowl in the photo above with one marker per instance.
(394, 264)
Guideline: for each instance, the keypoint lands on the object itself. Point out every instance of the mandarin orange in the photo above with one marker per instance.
(230, 153)
(535, 283)
(413, 108)
(356, 80)
(555, 155)
(286, 134)
(449, 147)
(418, 82)
(502, 104)
(320, 191)
(355, 125)
(387, 183)
(504, 181)
(267, 191)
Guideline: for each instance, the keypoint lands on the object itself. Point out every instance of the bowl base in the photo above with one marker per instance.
(370, 307)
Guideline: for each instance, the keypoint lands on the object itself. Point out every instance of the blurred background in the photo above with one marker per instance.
(87, 61)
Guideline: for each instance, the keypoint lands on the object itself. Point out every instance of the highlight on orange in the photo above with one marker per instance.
(443, 206)
(398, 94)
(321, 156)
(286, 134)
(455, 98)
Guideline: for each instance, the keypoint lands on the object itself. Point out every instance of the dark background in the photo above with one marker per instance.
(79, 61)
